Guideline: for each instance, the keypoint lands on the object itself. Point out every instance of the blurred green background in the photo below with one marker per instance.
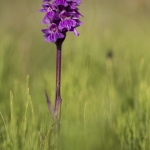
(105, 78)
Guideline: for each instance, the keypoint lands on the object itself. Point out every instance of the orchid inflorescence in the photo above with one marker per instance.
(61, 16)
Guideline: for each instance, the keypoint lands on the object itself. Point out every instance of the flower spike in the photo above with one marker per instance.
(61, 16)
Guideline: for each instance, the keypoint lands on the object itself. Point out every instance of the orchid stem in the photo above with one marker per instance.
(58, 77)
(57, 110)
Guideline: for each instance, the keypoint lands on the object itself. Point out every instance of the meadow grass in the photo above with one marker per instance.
(105, 79)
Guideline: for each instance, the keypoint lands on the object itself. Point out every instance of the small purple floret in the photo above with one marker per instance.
(52, 34)
(61, 16)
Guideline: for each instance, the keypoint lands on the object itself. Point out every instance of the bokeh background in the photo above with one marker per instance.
(105, 78)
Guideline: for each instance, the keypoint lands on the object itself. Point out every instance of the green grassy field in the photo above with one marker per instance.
(105, 78)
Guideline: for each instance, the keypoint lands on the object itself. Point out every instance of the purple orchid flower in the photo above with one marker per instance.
(66, 22)
(62, 15)
(52, 34)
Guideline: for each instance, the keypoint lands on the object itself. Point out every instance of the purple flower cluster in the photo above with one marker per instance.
(61, 16)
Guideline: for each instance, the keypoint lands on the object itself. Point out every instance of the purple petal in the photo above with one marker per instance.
(78, 22)
(50, 15)
(46, 20)
(67, 24)
(73, 6)
(60, 2)
(46, 38)
(77, 1)
(47, 6)
(54, 36)
(46, 31)
(42, 10)
(59, 35)
(75, 32)
(77, 13)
